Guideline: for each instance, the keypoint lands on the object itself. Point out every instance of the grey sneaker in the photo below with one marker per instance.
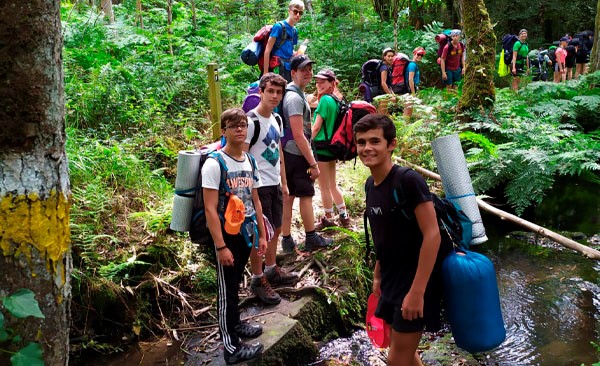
(280, 277)
(324, 223)
(262, 289)
(243, 352)
(288, 244)
(245, 330)
(317, 242)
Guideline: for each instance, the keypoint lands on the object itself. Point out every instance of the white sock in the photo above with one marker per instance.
(270, 268)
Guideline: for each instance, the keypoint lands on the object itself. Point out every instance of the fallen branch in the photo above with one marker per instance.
(564, 241)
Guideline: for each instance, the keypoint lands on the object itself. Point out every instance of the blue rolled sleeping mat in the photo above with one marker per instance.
(472, 301)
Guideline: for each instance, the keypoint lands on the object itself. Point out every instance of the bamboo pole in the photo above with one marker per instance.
(214, 95)
(566, 242)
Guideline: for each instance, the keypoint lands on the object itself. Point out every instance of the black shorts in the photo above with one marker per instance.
(298, 176)
(520, 70)
(271, 200)
(392, 315)
(325, 158)
(570, 62)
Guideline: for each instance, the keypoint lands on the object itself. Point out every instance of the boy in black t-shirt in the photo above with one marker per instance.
(406, 249)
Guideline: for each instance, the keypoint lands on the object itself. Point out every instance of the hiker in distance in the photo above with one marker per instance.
(286, 51)
(266, 149)
(452, 61)
(414, 76)
(520, 60)
(322, 132)
(231, 245)
(301, 167)
(387, 57)
(406, 278)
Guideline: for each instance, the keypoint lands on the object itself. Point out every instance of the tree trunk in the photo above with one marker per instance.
(478, 88)
(386, 8)
(107, 10)
(595, 55)
(138, 13)
(34, 190)
(170, 25)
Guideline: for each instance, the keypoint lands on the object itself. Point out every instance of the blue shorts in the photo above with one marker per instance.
(453, 77)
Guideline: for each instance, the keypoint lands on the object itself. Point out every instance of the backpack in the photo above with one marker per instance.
(456, 229)
(508, 41)
(256, 121)
(399, 67)
(287, 135)
(252, 98)
(254, 51)
(342, 110)
(444, 39)
(343, 145)
(552, 54)
(199, 232)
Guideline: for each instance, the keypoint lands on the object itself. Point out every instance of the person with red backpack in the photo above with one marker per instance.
(285, 51)
(452, 61)
(323, 125)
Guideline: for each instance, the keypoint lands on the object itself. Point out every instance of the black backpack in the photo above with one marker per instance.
(371, 72)
(455, 226)
(552, 55)
(508, 42)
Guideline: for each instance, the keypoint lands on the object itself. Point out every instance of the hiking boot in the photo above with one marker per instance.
(243, 352)
(245, 330)
(317, 242)
(345, 221)
(324, 223)
(280, 277)
(288, 245)
(262, 289)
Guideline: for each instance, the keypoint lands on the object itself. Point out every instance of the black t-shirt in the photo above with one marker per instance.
(397, 239)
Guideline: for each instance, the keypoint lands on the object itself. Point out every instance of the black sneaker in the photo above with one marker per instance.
(262, 289)
(245, 330)
(288, 244)
(316, 242)
(280, 277)
(243, 352)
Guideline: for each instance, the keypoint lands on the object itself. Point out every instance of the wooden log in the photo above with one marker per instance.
(564, 241)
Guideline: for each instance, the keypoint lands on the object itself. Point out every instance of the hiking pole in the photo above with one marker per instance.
(564, 241)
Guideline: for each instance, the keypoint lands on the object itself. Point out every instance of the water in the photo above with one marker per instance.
(550, 299)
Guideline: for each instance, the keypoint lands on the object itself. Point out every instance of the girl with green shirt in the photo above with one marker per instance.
(322, 132)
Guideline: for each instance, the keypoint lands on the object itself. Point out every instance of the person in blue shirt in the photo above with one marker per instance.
(414, 76)
(285, 52)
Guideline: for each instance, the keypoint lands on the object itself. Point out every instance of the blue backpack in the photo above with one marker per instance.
(456, 229)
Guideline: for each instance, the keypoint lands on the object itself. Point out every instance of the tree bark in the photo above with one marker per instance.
(595, 54)
(478, 88)
(138, 13)
(34, 190)
(107, 10)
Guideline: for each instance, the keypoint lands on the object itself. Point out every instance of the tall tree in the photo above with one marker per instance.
(34, 190)
(107, 10)
(478, 88)
(595, 55)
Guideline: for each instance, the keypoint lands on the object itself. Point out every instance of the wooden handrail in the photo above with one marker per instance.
(564, 241)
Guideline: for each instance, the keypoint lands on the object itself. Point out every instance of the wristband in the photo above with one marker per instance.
(315, 165)
(221, 248)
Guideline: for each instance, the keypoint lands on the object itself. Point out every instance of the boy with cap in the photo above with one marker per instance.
(242, 228)
(267, 151)
(286, 50)
(301, 166)
(452, 61)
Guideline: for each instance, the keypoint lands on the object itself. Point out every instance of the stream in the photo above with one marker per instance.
(550, 295)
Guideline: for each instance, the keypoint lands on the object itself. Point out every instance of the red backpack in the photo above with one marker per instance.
(401, 61)
(342, 143)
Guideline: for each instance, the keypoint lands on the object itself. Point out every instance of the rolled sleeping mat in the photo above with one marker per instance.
(452, 167)
(188, 168)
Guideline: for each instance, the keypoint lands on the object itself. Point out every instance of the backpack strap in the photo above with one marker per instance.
(256, 121)
(284, 36)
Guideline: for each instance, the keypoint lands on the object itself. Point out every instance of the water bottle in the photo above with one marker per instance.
(302, 48)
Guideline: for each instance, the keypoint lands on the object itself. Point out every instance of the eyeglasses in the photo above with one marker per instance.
(296, 12)
(243, 126)
(420, 54)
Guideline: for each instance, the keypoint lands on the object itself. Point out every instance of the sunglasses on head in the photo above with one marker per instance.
(296, 12)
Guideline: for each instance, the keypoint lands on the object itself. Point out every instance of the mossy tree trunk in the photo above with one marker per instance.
(595, 55)
(34, 190)
(478, 88)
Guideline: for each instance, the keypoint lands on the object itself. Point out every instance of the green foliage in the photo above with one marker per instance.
(21, 304)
